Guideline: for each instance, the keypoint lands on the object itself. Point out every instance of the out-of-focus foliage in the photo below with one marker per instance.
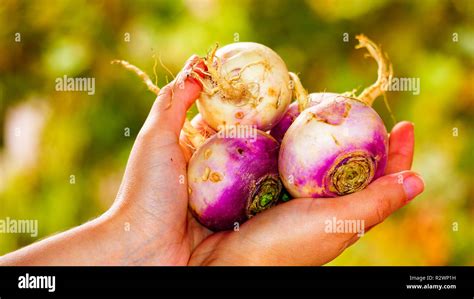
(63, 153)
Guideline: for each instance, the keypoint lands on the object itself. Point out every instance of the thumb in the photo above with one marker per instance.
(381, 198)
(169, 109)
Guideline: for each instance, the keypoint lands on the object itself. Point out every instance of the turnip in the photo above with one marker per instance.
(338, 146)
(198, 123)
(194, 133)
(246, 84)
(233, 179)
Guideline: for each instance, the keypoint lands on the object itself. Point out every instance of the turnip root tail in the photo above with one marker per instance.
(299, 92)
(146, 79)
(385, 70)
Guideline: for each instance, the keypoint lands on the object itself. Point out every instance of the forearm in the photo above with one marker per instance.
(97, 242)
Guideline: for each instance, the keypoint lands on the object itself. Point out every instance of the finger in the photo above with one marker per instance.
(401, 147)
(381, 198)
(376, 202)
(400, 155)
(169, 109)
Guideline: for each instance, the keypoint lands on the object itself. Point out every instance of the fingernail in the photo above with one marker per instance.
(413, 185)
(196, 64)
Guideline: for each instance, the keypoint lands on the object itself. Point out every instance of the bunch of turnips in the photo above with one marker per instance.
(252, 147)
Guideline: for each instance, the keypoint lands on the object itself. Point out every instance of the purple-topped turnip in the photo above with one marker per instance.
(233, 179)
(338, 146)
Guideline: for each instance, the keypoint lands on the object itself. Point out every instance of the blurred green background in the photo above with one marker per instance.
(62, 154)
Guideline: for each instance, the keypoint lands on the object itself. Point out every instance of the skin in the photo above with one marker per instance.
(149, 222)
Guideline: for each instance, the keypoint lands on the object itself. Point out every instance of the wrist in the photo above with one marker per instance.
(134, 239)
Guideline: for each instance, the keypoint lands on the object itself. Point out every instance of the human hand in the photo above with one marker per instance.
(176, 237)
